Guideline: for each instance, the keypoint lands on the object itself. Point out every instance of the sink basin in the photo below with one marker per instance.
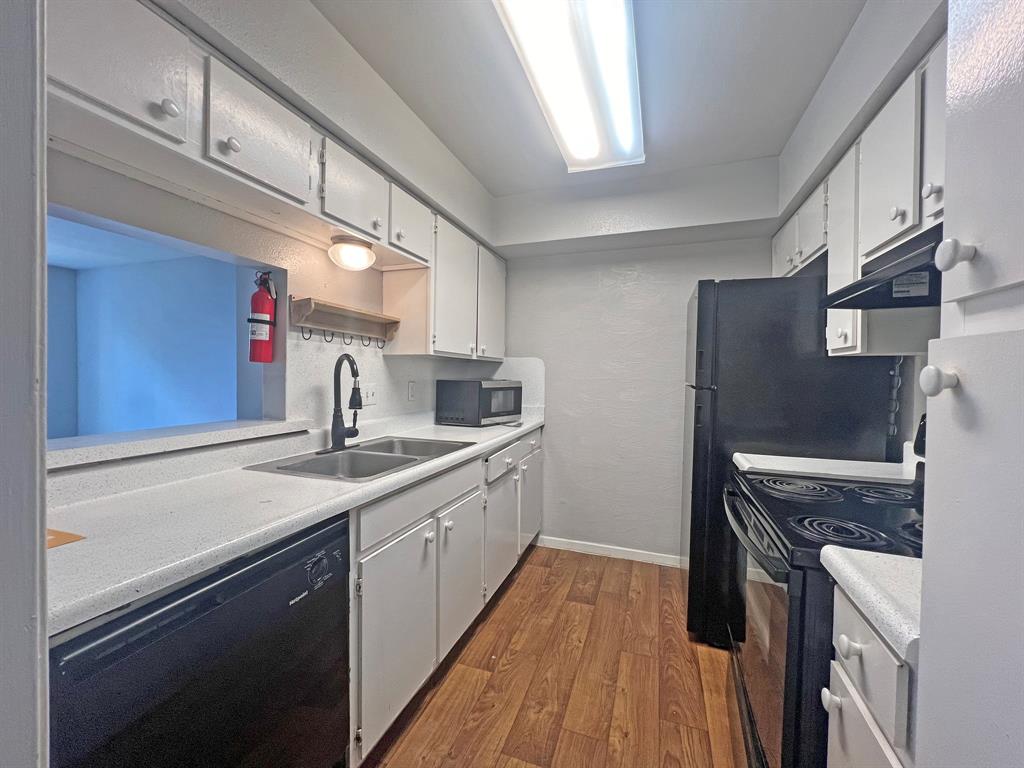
(409, 446)
(346, 465)
(363, 462)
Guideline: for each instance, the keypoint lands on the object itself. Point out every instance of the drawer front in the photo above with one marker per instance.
(497, 464)
(532, 441)
(137, 67)
(880, 677)
(412, 225)
(251, 133)
(380, 520)
(854, 740)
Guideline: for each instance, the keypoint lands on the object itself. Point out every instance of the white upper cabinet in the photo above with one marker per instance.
(412, 225)
(843, 331)
(784, 247)
(253, 134)
(810, 226)
(933, 135)
(455, 302)
(889, 177)
(491, 306)
(124, 57)
(353, 193)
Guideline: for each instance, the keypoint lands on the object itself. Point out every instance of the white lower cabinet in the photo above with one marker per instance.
(397, 607)
(854, 740)
(502, 532)
(531, 497)
(460, 594)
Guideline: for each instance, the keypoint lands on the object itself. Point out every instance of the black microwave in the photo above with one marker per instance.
(478, 402)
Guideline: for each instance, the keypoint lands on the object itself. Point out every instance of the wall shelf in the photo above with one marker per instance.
(323, 315)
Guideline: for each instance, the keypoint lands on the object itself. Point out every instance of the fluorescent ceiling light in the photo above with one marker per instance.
(580, 58)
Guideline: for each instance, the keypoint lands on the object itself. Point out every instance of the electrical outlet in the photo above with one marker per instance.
(412, 390)
(369, 394)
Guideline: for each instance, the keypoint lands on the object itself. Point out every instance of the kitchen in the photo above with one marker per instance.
(367, 404)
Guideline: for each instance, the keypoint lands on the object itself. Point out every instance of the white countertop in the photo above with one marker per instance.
(140, 543)
(886, 589)
(840, 469)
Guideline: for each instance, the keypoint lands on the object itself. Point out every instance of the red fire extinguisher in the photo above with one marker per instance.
(262, 319)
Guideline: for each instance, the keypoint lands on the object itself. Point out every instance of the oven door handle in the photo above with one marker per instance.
(775, 567)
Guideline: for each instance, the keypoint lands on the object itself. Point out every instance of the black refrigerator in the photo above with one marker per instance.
(758, 380)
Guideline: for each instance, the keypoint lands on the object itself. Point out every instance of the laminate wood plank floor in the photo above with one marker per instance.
(583, 662)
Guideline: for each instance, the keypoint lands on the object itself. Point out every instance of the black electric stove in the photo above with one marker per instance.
(783, 649)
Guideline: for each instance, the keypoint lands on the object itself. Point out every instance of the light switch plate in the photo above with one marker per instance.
(412, 390)
(369, 394)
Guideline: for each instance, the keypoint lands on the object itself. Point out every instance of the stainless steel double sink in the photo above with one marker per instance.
(365, 461)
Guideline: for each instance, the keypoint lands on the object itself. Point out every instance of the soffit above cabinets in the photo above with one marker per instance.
(719, 82)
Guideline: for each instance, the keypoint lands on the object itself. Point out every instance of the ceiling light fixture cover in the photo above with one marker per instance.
(580, 58)
(351, 253)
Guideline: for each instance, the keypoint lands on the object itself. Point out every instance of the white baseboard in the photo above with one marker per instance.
(607, 550)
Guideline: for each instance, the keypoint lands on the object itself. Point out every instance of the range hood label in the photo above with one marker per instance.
(910, 285)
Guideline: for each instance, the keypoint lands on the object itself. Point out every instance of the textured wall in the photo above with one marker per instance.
(611, 328)
(61, 352)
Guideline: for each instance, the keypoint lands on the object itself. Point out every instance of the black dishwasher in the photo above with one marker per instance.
(246, 667)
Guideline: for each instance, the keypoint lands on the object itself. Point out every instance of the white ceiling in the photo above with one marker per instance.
(720, 80)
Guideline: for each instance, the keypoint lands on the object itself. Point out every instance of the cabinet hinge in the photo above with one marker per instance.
(485, 502)
(435, 227)
(322, 191)
(483, 591)
(323, 155)
(359, 587)
(433, 338)
(359, 736)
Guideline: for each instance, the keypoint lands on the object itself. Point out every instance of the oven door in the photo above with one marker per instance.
(501, 402)
(761, 658)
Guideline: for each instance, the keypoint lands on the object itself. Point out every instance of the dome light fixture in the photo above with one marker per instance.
(351, 253)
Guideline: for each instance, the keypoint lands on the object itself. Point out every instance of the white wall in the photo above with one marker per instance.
(23, 667)
(296, 51)
(885, 44)
(611, 329)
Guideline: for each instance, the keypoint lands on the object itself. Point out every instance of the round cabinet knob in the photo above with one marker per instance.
(430, 537)
(896, 213)
(525, 468)
(533, 443)
(952, 252)
(472, 348)
(789, 259)
(400, 234)
(841, 334)
(933, 380)
(930, 189)
(449, 525)
(483, 349)
(847, 648)
(508, 461)
(233, 144)
(830, 701)
(170, 108)
(798, 255)
(378, 222)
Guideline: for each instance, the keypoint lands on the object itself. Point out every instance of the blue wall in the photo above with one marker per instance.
(61, 353)
(157, 345)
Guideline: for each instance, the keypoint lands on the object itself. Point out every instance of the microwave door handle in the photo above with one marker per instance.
(773, 566)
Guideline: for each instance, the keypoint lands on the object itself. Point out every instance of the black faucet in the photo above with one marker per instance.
(339, 432)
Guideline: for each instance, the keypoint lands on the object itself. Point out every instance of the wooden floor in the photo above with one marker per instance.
(584, 662)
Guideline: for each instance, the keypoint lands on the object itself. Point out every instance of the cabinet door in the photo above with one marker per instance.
(412, 225)
(784, 249)
(491, 306)
(842, 334)
(353, 193)
(455, 265)
(810, 226)
(397, 626)
(501, 532)
(933, 135)
(531, 497)
(251, 133)
(461, 570)
(984, 157)
(854, 739)
(890, 191)
(123, 56)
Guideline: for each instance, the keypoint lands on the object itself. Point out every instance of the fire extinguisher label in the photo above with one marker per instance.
(259, 331)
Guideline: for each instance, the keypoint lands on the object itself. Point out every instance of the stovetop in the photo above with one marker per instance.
(805, 514)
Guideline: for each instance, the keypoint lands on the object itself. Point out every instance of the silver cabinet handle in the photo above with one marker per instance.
(170, 108)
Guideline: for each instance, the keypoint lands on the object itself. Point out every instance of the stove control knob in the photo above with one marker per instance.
(933, 380)
(847, 648)
(830, 701)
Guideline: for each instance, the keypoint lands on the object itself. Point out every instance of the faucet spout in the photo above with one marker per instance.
(339, 432)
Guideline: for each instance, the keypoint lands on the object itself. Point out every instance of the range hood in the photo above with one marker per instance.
(904, 276)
